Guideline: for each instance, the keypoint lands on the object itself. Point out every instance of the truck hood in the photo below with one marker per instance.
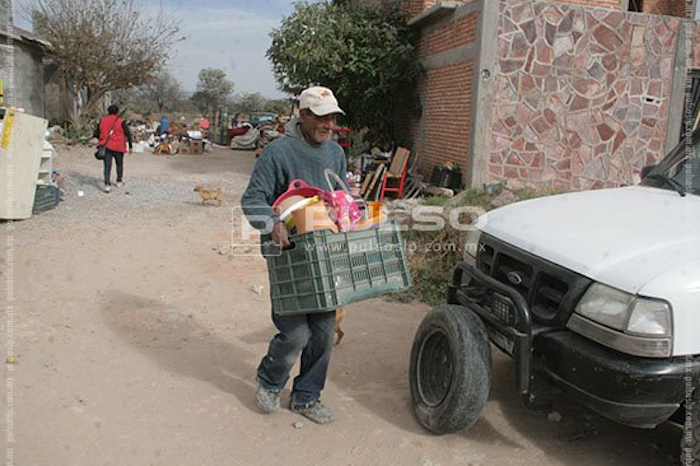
(623, 237)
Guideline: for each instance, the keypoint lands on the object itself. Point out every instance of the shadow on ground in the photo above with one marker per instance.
(176, 342)
(377, 378)
(576, 435)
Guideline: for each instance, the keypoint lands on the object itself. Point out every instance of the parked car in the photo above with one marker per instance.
(595, 292)
(261, 118)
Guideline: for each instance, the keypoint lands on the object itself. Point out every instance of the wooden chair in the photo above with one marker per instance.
(396, 173)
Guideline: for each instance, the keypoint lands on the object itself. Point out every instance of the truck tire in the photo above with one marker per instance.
(690, 442)
(450, 373)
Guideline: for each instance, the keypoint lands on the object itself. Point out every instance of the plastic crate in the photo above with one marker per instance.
(45, 198)
(326, 270)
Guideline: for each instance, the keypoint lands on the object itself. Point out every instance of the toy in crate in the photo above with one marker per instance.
(324, 270)
(305, 208)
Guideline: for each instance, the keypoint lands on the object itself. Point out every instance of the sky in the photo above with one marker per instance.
(231, 35)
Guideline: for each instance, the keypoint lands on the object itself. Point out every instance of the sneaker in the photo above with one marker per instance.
(315, 412)
(119, 184)
(106, 188)
(268, 400)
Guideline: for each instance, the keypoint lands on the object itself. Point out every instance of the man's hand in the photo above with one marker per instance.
(131, 150)
(280, 235)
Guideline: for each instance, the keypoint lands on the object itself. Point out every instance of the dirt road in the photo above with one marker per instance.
(137, 335)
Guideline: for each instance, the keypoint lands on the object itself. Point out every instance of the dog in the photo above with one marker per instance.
(209, 194)
(339, 314)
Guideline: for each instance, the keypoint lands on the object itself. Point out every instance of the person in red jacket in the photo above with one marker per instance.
(113, 133)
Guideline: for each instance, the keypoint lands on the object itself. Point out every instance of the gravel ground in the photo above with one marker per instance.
(162, 183)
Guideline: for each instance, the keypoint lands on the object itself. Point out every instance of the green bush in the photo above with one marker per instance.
(433, 255)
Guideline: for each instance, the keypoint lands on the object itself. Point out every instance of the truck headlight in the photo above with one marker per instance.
(650, 317)
(606, 306)
(625, 322)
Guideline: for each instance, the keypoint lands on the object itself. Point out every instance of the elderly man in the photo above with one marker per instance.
(305, 151)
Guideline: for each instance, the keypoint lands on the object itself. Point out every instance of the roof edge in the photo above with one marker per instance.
(435, 12)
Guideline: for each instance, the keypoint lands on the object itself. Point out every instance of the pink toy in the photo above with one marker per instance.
(298, 187)
(343, 207)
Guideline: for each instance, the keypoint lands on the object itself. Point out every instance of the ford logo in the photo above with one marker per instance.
(515, 278)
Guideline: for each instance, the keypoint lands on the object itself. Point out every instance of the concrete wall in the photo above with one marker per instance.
(58, 102)
(29, 79)
(4, 14)
(5, 50)
(21, 67)
(25, 87)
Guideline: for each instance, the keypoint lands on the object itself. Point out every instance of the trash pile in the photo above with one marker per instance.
(171, 138)
(254, 133)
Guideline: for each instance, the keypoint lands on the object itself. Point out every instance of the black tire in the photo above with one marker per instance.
(690, 442)
(450, 373)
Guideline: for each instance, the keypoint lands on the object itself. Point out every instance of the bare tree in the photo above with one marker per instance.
(104, 45)
(162, 93)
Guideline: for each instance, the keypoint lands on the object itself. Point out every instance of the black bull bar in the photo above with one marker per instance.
(506, 315)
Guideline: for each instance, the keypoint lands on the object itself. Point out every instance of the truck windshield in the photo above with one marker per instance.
(680, 169)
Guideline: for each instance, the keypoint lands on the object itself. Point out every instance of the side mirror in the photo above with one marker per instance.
(646, 170)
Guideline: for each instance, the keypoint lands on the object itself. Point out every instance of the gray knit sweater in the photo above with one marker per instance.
(283, 160)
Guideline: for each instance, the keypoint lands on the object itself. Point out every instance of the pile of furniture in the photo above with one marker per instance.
(390, 176)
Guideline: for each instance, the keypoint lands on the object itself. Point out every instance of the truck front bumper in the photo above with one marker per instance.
(640, 392)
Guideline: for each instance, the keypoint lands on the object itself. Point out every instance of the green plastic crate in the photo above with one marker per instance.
(326, 270)
(45, 198)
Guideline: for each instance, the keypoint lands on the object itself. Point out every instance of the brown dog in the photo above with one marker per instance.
(209, 194)
(339, 314)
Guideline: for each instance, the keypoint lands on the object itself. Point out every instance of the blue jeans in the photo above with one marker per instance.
(308, 334)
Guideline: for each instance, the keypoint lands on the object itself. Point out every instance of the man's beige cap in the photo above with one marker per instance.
(320, 100)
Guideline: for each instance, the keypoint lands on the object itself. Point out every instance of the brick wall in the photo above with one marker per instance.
(454, 34)
(681, 8)
(447, 116)
(657, 7)
(442, 133)
(414, 7)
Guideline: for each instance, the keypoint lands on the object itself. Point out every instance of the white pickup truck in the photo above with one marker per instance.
(595, 292)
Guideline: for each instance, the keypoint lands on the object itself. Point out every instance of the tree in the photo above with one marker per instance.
(104, 45)
(279, 106)
(363, 53)
(213, 90)
(249, 103)
(163, 93)
(255, 102)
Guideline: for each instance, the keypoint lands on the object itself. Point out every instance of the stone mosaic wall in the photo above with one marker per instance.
(582, 94)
